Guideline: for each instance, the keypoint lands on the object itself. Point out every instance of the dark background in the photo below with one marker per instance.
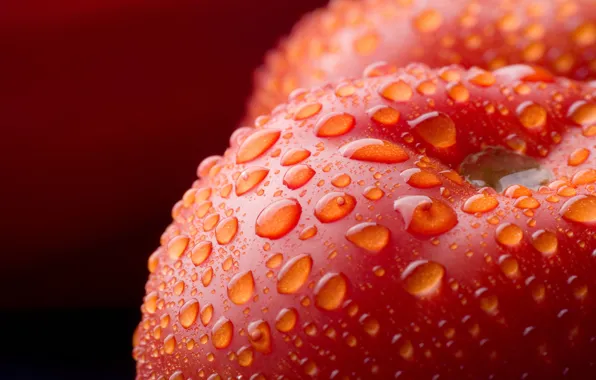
(106, 109)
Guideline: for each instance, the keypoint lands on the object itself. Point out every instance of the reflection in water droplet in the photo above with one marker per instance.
(369, 236)
(422, 278)
(256, 144)
(294, 274)
(331, 290)
(188, 313)
(374, 150)
(435, 128)
(241, 288)
(222, 332)
(424, 215)
(334, 206)
(278, 219)
(286, 320)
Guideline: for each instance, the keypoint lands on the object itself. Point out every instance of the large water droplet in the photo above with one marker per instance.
(278, 219)
(580, 209)
(374, 150)
(206, 314)
(424, 215)
(545, 242)
(294, 156)
(201, 252)
(259, 336)
(188, 313)
(226, 230)
(422, 278)
(480, 203)
(256, 144)
(334, 206)
(420, 179)
(509, 234)
(297, 176)
(222, 332)
(241, 288)
(294, 274)
(176, 246)
(335, 124)
(372, 237)
(250, 178)
(435, 128)
(286, 320)
(331, 290)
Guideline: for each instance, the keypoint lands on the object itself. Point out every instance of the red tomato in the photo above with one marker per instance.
(337, 240)
(343, 39)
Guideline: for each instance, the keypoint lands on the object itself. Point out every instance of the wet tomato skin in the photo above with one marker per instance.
(336, 239)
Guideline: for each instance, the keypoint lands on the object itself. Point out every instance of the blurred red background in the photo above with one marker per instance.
(106, 109)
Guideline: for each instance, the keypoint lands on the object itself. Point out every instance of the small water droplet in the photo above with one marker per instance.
(341, 180)
(259, 336)
(509, 234)
(294, 274)
(176, 246)
(480, 203)
(531, 115)
(330, 291)
(420, 179)
(374, 150)
(250, 178)
(335, 124)
(424, 215)
(226, 230)
(294, 156)
(206, 314)
(297, 176)
(545, 242)
(286, 320)
(398, 91)
(422, 278)
(188, 313)
(201, 252)
(222, 332)
(436, 128)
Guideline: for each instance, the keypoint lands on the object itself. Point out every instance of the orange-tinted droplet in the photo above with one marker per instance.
(169, 344)
(420, 179)
(150, 302)
(334, 206)
(580, 209)
(241, 288)
(206, 314)
(256, 144)
(278, 219)
(526, 73)
(226, 230)
(584, 177)
(458, 92)
(206, 165)
(245, 356)
(201, 252)
(294, 273)
(482, 78)
(250, 178)
(341, 180)
(435, 128)
(480, 203)
(308, 110)
(545, 242)
(428, 21)
(335, 124)
(422, 278)
(424, 215)
(578, 157)
(297, 176)
(509, 234)
(188, 313)
(398, 91)
(259, 336)
(374, 150)
(372, 237)
(525, 202)
(583, 113)
(176, 246)
(367, 43)
(384, 115)
(210, 222)
(509, 266)
(330, 291)
(286, 320)
(294, 156)
(373, 193)
(222, 332)
(531, 115)
(274, 261)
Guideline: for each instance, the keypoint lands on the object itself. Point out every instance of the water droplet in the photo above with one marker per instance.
(226, 230)
(245, 356)
(294, 156)
(259, 336)
(428, 21)
(578, 157)
(509, 266)
(169, 344)
(307, 111)
(366, 44)
(241, 288)
(420, 179)
(256, 144)
(384, 115)
(435, 128)
(330, 291)
(424, 215)
(582, 113)
(488, 302)
(370, 325)
(526, 203)
(398, 91)
(580, 209)
(210, 222)
(294, 274)
(206, 165)
(176, 246)
(201, 252)
(151, 302)
(584, 177)
(526, 73)
(274, 261)
(334, 206)
(482, 78)
(297, 176)
(373, 193)
(458, 92)
(222, 332)
(532, 115)
(250, 178)
(278, 219)
(374, 150)
(584, 35)
(188, 313)
(509, 234)
(545, 242)
(369, 236)
(286, 320)
(308, 232)
(422, 278)
(341, 180)
(480, 203)
(335, 124)
(206, 314)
